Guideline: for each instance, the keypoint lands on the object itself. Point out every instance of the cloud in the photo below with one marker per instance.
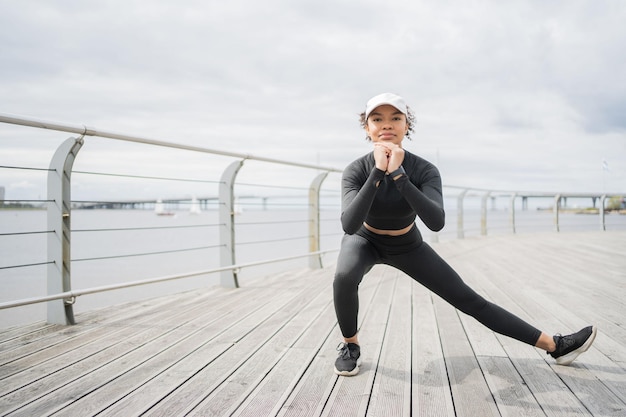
(500, 89)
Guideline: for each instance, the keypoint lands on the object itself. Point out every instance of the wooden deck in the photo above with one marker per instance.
(268, 349)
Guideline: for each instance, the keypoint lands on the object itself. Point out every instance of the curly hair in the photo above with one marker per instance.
(410, 120)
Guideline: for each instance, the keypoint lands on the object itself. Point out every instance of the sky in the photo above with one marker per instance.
(515, 95)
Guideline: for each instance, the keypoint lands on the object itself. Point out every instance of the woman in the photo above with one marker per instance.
(382, 193)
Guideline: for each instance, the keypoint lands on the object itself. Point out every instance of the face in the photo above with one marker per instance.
(386, 124)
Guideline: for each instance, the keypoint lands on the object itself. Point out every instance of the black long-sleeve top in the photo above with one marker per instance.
(392, 205)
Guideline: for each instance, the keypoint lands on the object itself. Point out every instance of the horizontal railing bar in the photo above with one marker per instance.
(28, 201)
(286, 187)
(26, 265)
(252, 204)
(145, 177)
(256, 242)
(213, 200)
(179, 200)
(273, 222)
(87, 131)
(27, 233)
(77, 293)
(146, 253)
(123, 229)
(530, 194)
(25, 168)
(188, 200)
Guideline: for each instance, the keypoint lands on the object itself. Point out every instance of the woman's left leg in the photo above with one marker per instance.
(425, 266)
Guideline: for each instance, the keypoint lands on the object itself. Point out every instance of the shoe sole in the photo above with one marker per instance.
(350, 373)
(571, 357)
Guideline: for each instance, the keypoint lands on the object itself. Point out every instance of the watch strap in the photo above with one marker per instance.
(399, 171)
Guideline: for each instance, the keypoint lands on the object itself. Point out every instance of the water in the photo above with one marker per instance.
(174, 246)
(188, 242)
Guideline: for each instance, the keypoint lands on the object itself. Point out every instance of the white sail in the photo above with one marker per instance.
(159, 209)
(195, 206)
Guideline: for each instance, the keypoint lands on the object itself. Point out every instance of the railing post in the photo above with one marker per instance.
(557, 204)
(315, 262)
(512, 212)
(228, 278)
(602, 213)
(59, 220)
(483, 213)
(459, 215)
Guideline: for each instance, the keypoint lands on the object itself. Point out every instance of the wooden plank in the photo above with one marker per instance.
(511, 394)
(309, 396)
(431, 394)
(40, 330)
(314, 326)
(391, 393)
(554, 397)
(351, 395)
(81, 344)
(84, 343)
(178, 360)
(16, 336)
(470, 392)
(569, 401)
(269, 349)
(201, 385)
(64, 338)
(132, 353)
(22, 334)
(149, 392)
(244, 380)
(570, 305)
(543, 385)
(596, 396)
(200, 361)
(608, 395)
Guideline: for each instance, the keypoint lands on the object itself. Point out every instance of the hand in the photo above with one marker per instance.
(381, 156)
(396, 158)
(394, 154)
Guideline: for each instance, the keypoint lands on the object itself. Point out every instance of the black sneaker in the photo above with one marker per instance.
(569, 347)
(347, 364)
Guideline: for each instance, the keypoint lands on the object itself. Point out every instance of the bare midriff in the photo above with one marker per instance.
(398, 232)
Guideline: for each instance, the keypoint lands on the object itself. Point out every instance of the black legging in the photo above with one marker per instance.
(361, 251)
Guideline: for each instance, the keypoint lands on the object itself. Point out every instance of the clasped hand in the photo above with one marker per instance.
(388, 156)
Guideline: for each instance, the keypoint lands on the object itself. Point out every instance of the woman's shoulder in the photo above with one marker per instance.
(418, 164)
(412, 160)
(363, 164)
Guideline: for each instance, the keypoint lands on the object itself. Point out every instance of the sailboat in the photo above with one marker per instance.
(195, 206)
(159, 209)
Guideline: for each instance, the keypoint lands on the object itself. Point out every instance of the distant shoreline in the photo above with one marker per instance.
(589, 210)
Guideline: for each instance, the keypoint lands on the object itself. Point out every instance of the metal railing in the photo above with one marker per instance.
(598, 202)
(61, 296)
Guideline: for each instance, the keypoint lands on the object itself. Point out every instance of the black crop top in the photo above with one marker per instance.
(392, 205)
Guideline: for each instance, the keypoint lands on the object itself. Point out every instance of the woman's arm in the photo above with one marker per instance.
(427, 202)
(357, 197)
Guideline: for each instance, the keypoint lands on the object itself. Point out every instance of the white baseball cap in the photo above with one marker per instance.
(385, 98)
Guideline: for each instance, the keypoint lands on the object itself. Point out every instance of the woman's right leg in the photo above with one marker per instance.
(356, 258)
